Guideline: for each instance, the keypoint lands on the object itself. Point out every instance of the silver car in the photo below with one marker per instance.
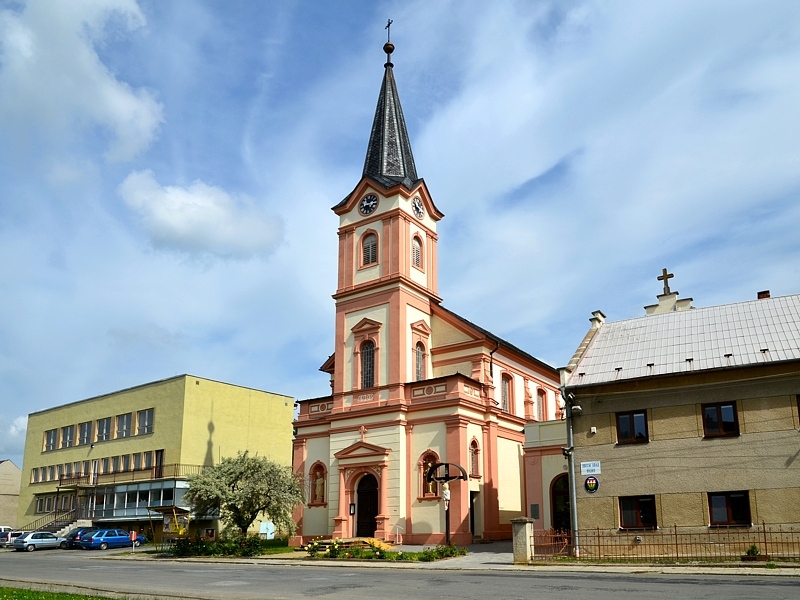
(38, 540)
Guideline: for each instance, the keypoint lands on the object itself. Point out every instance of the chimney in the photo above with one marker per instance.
(763, 295)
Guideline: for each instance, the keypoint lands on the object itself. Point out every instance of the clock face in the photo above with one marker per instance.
(368, 204)
(416, 205)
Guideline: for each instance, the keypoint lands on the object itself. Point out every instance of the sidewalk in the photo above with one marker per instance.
(498, 556)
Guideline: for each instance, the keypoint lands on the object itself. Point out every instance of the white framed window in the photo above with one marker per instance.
(50, 439)
(144, 421)
(84, 433)
(68, 436)
(103, 429)
(124, 425)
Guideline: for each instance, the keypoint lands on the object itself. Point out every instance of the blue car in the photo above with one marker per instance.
(109, 538)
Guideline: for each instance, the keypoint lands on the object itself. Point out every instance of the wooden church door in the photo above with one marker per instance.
(367, 506)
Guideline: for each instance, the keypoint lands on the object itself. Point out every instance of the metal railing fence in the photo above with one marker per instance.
(675, 543)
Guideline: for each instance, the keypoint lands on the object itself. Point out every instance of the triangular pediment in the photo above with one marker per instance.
(421, 327)
(362, 450)
(366, 325)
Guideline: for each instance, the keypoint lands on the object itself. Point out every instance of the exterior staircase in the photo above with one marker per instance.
(57, 522)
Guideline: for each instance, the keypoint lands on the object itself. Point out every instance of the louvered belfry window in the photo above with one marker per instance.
(416, 252)
(367, 365)
(370, 248)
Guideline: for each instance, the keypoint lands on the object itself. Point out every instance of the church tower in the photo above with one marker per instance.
(387, 265)
(413, 384)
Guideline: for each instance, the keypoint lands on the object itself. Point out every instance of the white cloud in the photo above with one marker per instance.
(54, 85)
(200, 219)
(12, 440)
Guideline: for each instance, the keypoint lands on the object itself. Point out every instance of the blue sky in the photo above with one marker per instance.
(167, 171)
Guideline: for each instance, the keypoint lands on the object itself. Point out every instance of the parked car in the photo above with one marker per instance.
(74, 535)
(10, 536)
(109, 538)
(38, 540)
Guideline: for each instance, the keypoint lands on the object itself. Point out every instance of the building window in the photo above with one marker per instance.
(68, 436)
(35, 475)
(106, 465)
(419, 362)
(367, 364)
(474, 459)
(137, 462)
(632, 427)
(50, 439)
(84, 433)
(104, 429)
(505, 393)
(416, 252)
(148, 460)
(540, 405)
(369, 249)
(637, 512)
(720, 420)
(126, 462)
(144, 421)
(124, 425)
(40, 505)
(68, 470)
(729, 508)
(51, 473)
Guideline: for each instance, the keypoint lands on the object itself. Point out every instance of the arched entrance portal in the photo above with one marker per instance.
(367, 503)
(559, 500)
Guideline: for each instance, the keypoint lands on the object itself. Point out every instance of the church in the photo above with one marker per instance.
(413, 384)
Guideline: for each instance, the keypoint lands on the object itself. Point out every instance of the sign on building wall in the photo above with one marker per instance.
(590, 468)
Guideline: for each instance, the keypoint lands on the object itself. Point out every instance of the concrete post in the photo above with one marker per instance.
(522, 532)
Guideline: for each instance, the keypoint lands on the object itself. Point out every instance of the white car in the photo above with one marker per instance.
(39, 540)
(7, 540)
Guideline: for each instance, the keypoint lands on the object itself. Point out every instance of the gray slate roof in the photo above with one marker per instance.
(717, 337)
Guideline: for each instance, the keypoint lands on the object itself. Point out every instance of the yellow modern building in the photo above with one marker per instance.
(124, 458)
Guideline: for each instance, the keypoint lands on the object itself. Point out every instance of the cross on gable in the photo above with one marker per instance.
(665, 277)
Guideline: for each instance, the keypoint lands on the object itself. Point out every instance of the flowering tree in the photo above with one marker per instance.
(245, 486)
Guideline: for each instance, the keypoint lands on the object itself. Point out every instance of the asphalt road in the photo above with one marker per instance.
(87, 571)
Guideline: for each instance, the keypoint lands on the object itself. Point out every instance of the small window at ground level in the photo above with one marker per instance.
(632, 427)
(729, 508)
(637, 512)
(720, 419)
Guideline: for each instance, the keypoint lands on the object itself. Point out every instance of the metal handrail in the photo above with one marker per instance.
(56, 516)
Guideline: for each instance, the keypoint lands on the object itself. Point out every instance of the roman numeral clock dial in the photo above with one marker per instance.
(368, 204)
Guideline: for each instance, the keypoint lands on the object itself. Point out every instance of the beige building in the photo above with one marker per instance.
(110, 458)
(9, 492)
(689, 416)
(546, 476)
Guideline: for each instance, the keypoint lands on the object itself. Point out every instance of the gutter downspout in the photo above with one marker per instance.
(491, 358)
(570, 453)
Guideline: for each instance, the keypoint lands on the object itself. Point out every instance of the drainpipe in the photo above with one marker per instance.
(491, 358)
(569, 453)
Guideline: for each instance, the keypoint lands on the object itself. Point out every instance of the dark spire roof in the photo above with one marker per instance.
(389, 160)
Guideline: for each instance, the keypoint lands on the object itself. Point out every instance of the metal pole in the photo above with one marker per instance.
(447, 524)
(573, 492)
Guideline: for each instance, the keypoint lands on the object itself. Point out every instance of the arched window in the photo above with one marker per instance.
(367, 364)
(369, 249)
(419, 362)
(427, 489)
(416, 252)
(505, 393)
(474, 459)
(540, 405)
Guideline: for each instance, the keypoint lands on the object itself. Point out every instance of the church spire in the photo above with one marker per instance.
(389, 160)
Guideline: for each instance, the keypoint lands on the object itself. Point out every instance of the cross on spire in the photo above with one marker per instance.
(665, 277)
(388, 29)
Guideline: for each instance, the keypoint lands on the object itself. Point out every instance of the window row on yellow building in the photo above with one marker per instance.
(123, 463)
(101, 430)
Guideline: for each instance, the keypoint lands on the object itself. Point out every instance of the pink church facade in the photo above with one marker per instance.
(412, 383)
